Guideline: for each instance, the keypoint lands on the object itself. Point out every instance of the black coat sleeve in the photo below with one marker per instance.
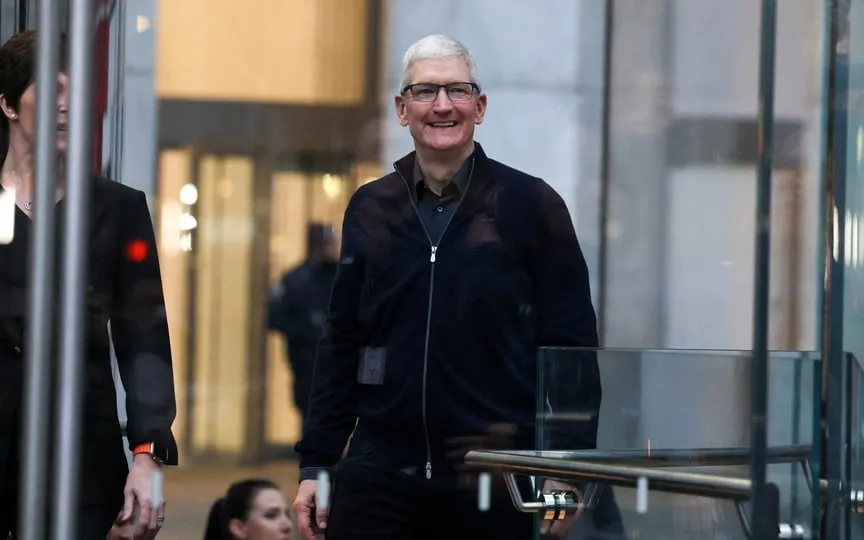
(139, 332)
(333, 398)
(566, 318)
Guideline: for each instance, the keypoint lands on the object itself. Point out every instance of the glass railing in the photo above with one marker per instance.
(694, 406)
(672, 457)
(853, 445)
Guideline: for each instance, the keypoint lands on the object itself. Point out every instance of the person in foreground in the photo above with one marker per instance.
(124, 289)
(250, 510)
(454, 268)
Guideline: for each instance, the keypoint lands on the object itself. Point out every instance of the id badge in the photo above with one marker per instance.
(372, 363)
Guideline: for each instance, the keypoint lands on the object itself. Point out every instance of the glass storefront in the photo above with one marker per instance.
(643, 115)
(662, 192)
(849, 103)
(298, 198)
(234, 206)
(846, 191)
(229, 228)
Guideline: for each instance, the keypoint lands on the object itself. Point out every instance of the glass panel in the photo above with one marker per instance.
(175, 225)
(850, 170)
(298, 201)
(7, 216)
(328, 198)
(679, 222)
(679, 411)
(855, 444)
(222, 253)
(850, 114)
(287, 250)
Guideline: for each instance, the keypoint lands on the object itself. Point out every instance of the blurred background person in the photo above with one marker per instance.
(298, 307)
(251, 510)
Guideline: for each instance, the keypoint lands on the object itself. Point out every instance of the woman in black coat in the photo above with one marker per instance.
(124, 290)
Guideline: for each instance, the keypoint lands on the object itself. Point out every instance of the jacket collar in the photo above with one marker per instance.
(477, 190)
(405, 165)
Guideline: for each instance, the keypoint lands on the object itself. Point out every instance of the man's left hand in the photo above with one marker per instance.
(557, 528)
(139, 493)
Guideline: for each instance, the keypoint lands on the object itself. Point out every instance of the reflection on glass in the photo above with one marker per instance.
(287, 250)
(850, 143)
(852, 170)
(7, 215)
(174, 260)
(298, 199)
(675, 242)
(222, 259)
(684, 411)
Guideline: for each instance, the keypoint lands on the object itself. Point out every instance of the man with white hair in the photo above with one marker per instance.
(454, 269)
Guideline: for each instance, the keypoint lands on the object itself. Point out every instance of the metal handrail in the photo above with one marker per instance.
(692, 457)
(590, 468)
(561, 465)
(697, 484)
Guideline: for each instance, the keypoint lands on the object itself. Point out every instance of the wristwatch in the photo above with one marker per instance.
(158, 452)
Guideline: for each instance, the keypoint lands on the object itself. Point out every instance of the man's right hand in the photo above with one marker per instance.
(310, 519)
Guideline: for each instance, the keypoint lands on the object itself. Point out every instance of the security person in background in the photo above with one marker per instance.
(298, 307)
(454, 269)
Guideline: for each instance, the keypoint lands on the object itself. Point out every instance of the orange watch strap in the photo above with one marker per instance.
(143, 448)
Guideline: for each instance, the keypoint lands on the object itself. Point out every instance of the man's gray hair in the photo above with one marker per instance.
(436, 47)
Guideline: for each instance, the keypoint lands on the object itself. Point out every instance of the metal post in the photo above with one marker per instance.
(764, 527)
(832, 256)
(834, 371)
(74, 284)
(605, 170)
(40, 330)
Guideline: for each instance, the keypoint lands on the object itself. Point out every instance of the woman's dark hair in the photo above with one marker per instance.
(17, 72)
(234, 505)
(216, 528)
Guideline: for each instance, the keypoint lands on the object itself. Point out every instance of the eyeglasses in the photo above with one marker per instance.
(426, 92)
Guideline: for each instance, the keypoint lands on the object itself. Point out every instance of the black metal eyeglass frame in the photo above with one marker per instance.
(410, 88)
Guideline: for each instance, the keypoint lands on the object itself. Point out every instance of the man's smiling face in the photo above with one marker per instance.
(446, 122)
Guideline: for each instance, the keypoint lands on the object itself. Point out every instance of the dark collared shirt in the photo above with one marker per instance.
(436, 211)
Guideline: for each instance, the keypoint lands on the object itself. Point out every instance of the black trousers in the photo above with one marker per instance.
(374, 502)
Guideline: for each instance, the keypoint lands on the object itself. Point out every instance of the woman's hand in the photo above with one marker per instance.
(138, 497)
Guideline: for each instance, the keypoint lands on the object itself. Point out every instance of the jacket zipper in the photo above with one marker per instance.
(433, 256)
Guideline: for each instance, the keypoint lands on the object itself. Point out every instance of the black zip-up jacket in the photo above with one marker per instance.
(429, 342)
